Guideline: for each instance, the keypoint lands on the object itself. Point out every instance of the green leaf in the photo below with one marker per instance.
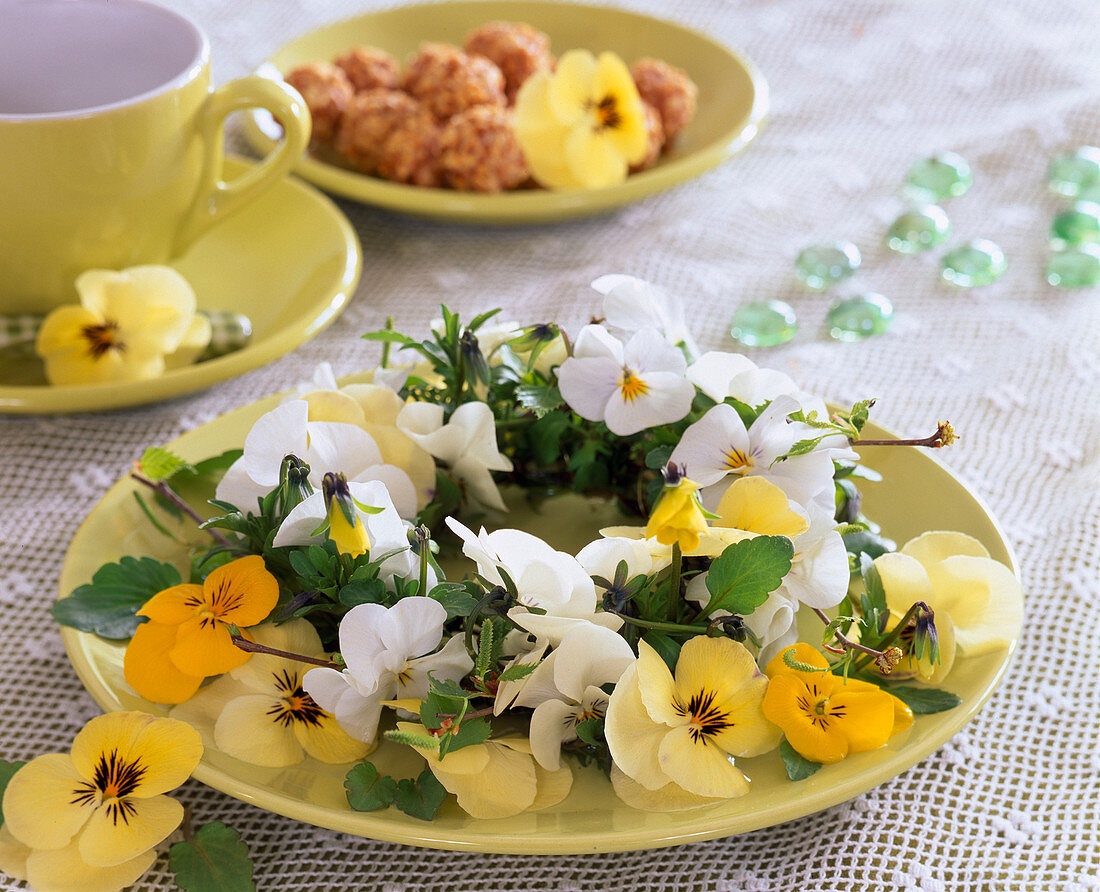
(545, 437)
(746, 412)
(447, 688)
(159, 464)
(153, 519)
(869, 543)
(798, 766)
(924, 701)
(742, 576)
(657, 457)
(214, 860)
(367, 591)
(216, 463)
(469, 733)
(833, 626)
(108, 603)
(367, 790)
(484, 650)
(668, 649)
(791, 660)
(390, 337)
(420, 798)
(539, 398)
(861, 411)
(517, 671)
(591, 731)
(455, 598)
(7, 770)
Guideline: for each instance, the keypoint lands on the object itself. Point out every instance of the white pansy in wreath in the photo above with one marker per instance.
(565, 688)
(720, 375)
(544, 578)
(387, 534)
(613, 562)
(719, 448)
(630, 387)
(326, 446)
(631, 304)
(467, 444)
(388, 652)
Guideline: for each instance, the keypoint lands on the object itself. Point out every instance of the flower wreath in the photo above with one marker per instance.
(663, 651)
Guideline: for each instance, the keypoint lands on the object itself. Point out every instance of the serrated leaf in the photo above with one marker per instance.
(117, 591)
(834, 625)
(590, 731)
(158, 464)
(420, 798)
(798, 766)
(742, 576)
(455, 598)
(517, 671)
(7, 771)
(861, 411)
(214, 860)
(367, 790)
(924, 701)
(447, 688)
(367, 591)
(539, 398)
(469, 733)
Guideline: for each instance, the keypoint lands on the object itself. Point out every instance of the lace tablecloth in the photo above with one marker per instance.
(860, 89)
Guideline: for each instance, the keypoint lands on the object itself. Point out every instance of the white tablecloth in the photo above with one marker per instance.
(860, 89)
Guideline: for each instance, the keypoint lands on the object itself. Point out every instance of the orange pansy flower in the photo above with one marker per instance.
(187, 637)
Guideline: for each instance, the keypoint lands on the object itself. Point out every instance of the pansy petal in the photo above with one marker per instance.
(670, 797)
(263, 673)
(589, 655)
(667, 398)
(122, 830)
(570, 90)
(985, 602)
(39, 806)
(698, 766)
(166, 750)
(334, 446)
(587, 384)
(758, 505)
(300, 526)
(326, 741)
(809, 738)
(506, 786)
(656, 687)
(274, 435)
(594, 159)
(552, 786)
(937, 545)
(13, 855)
(64, 870)
(242, 592)
(206, 648)
(632, 736)
(549, 723)
(173, 605)
(451, 663)
(254, 729)
(148, 669)
(715, 445)
(904, 581)
(332, 405)
(867, 717)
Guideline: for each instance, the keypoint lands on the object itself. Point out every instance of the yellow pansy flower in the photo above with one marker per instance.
(187, 636)
(496, 779)
(126, 326)
(682, 730)
(826, 717)
(583, 125)
(259, 712)
(678, 516)
(90, 819)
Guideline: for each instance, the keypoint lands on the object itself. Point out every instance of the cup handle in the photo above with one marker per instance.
(217, 199)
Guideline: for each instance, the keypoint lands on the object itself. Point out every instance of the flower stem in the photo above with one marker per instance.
(170, 494)
(185, 825)
(845, 642)
(886, 642)
(944, 436)
(675, 572)
(660, 627)
(253, 648)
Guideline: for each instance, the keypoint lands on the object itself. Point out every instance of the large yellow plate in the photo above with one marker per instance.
(289, 261)
(918, 494)
(733, 99)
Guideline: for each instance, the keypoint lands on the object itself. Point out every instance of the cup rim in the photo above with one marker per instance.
(189, 72)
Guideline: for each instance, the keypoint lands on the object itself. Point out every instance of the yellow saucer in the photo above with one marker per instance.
(733, 99)
(918, 494)
(289, 261)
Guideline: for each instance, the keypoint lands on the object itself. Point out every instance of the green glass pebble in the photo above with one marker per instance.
(976, 263)
(940, 177)
(1075, 268)
(1069, 174)
(821, 266)
(918, 230)
(1077, 226)
(855, 318)
(764, 323)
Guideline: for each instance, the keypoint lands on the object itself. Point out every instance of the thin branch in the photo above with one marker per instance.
(170, 494)
(944, 436)
(253, 648)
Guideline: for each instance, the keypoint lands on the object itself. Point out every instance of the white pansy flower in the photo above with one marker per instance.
(720, 375)
(387, 533)
(544, 578)
(631, 304)
(388, 652)
(467, 444)
(602, 558)
(630, 387)
(326, 446)
(718, 447)
(565, 688)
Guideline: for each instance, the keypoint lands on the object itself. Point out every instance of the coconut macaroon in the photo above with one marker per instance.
(326, 91)
(449, 81)
(518, 50)
(410, 153)
(369, 68)
(479, 151)
(368, 122)
(667, 89)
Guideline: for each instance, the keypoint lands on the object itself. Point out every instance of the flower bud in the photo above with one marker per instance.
(345, 527)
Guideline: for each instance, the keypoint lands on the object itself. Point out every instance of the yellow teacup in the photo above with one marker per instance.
(111, 142)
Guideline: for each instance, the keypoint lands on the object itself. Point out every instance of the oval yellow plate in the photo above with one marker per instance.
(289, 261)
(733, 99)
(917, 494)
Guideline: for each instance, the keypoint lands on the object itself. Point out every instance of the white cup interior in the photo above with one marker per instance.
(61, 57)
